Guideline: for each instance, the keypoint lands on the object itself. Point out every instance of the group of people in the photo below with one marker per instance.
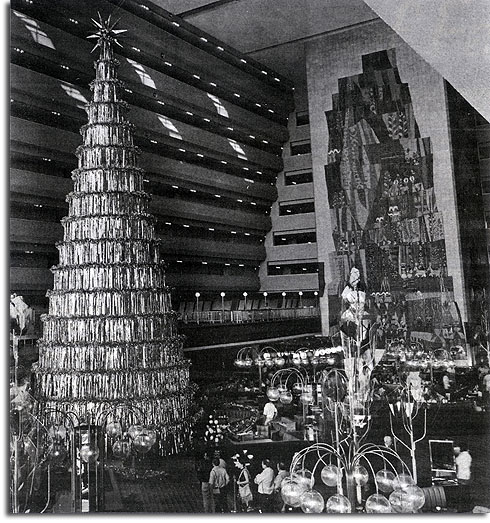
(261, 494)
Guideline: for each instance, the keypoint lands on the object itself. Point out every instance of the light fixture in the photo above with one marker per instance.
(233, 232)
(220, 48)
(236, 94)
(182, 150)
(175, 186)
(204, 263)
(264, 294)
(206, 119)
(189, 113)
(64, 67)
(227, 264)
(185, 225)
(283, 294)
(217, 196)
(180, 261)
(316, 293)
(213, 84)
(247, 234)
(300, 293)
(153, 141)
(210, 229)
(196, 76)
(245, 294)
(176, 24)
(223, 294)
(168, 223)
(161, 103)
(197, 294)
(241, 265)
(243, 60)
(200, 155)
(136, 49)
(192, 190)
(168, 63)
(223, 162)
(203, 39)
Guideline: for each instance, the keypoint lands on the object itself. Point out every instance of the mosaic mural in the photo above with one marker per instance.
(381, 195)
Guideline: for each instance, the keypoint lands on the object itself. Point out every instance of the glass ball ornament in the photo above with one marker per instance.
(338, 504)
(291, 492)
(296, 360)
(361, 475)
(269, 363)
(247, 362)
(415, 496)
(266, 356)
(121, 449)
(113, 429)
(286, 398)
(238, 363)
(89, 453)
(135, 430)
(399, 502)
(273, 393)
(303, 477)
(402, 481)
(279, 361)
(143, 443)
(312, 502)
(259, 362)
(330, 361)
(58, 455)
(384, 479)
(330, 475)
(377, 504)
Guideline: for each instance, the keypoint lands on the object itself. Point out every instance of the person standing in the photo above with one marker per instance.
(218, 480)
(243, 483)
(463, 464)
(270, 413)
(203, 469)
(282, 473)
(462, 461)
(265, 483)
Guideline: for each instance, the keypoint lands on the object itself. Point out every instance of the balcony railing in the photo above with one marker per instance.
(250, 316)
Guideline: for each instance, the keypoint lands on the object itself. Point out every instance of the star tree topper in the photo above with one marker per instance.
(105, 31)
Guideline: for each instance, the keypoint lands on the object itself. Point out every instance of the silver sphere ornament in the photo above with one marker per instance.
(400, 502)
(286, 398)
(384, 479)
(330, 475)
(142, 443)
(121, 449)
(312, 502)
(338, 504)
(113, 429)
(415, 496)
(377, 504)
(291, 492)
(303, 477)
(306, 398)
(89, 454)
(273, 393)
(402, 481)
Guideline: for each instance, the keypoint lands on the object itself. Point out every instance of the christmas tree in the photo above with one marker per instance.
(110, 335)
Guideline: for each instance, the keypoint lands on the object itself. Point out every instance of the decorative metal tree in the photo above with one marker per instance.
(348, 395)
(110, 335)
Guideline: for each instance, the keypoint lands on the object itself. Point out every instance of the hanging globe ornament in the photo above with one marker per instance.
(121, 449)
(260, 362)
(361, 475)
(330, 475)
(279, 361)
(338, 504)
(89, 453)
(402, 481)
(269, 363)
(135, 430)
(306, 398)
(312, 502)
(247, 362)
(273, 393)
(286, 397)
(399, 502)
(415, 496)
(384, 479)
(377, 504)
(142, 443)
(303, 477)
(113, 429)
(291, 492)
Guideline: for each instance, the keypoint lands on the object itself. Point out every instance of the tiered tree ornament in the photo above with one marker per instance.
(348, 463)
(110, 336)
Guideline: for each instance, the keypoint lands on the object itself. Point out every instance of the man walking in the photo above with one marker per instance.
(203, 469)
